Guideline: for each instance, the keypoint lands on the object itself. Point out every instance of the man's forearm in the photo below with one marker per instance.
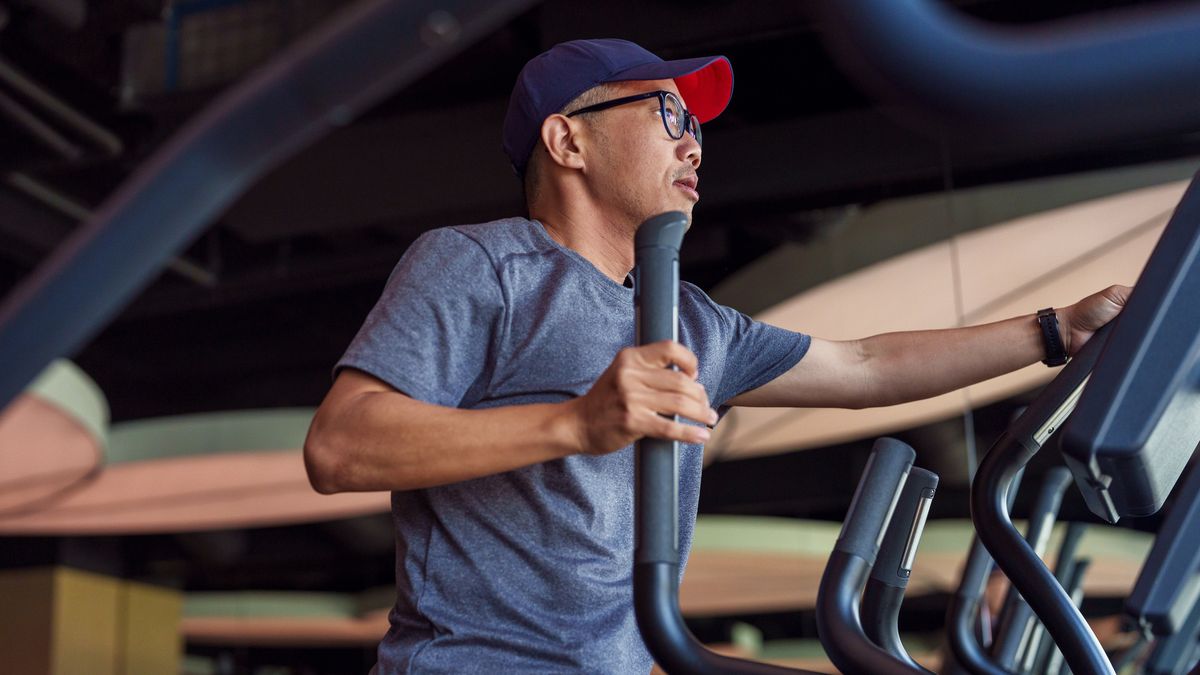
(909, 366)
(388, 441)
(369, 436)
(900, 367)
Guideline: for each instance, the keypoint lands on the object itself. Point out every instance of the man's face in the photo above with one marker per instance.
(635, 167)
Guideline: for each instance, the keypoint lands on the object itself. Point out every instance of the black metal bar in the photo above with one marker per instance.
(675, 649)
(1041, 647)
(1167, 590)
(322, 81)
(1074, 588)
(963, 612)
(1016, 621)
(18, 80)
(1173, 653)
(38, 129)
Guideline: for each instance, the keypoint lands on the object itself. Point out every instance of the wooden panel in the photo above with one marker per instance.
(150, 640)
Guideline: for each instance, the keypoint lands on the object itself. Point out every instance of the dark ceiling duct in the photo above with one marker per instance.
(1091, 79)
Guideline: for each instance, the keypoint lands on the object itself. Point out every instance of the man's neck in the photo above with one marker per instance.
(605, 244)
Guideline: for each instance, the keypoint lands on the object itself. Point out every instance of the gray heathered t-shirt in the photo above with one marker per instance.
(529, 571)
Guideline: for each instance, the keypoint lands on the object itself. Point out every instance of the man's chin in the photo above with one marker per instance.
(685, 209)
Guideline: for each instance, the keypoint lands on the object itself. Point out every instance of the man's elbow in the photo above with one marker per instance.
(324, 463)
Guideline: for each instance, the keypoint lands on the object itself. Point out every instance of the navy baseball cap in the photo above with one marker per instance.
(553, 78)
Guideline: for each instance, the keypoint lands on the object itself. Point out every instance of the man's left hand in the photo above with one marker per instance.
(1082, 319)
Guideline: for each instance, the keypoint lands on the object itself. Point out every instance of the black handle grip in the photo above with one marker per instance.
(875, 499)
(656, 276)
(665, 230)
(656, 308)
(894, 561)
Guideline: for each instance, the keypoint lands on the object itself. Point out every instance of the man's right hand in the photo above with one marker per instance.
(630, 399)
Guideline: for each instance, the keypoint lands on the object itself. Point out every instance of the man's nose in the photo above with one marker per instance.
(689, 150)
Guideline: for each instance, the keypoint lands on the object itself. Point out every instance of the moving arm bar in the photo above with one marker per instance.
(656, 498)
(1010, 453)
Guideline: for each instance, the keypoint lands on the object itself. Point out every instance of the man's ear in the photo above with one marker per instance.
(560, 135)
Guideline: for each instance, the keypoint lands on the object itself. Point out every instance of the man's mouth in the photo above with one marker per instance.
(688, 185)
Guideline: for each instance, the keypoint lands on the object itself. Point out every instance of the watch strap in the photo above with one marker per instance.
(1056, 351)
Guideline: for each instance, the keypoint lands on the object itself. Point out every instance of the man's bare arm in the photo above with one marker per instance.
(907, 366)
(368, 436)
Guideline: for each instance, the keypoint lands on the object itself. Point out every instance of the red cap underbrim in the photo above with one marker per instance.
(706, 83)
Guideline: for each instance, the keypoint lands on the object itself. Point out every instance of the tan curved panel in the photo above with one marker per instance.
(285, 631)
(722, 581)
(249, 489)
(44, 451)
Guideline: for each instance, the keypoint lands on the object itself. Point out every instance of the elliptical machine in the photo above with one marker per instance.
(1127, 438)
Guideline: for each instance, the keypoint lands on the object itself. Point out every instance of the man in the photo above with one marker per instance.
(494, 390)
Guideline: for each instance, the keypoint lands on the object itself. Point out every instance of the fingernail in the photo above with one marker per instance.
(703, 435)
(713, 416)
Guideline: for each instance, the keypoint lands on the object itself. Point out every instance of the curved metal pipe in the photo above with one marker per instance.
(1017, 620)
(1015, 447)
(1023, 567)
(675, 649)
(989, 510)
(880, 613)
(1041, 648)
(963, 611)
(1093, 79)
(964, 607)
(838, 623)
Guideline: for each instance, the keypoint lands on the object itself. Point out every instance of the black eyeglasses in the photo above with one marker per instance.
(675, 117)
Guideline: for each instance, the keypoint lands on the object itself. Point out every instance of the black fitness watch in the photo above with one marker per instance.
(1056, 351)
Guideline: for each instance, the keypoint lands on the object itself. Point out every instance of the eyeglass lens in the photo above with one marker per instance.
(677, 120)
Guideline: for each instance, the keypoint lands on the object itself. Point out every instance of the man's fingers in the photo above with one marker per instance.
(677, 404)
(661, 427)
(670, 381)
(684, 406)
(673, 393)
(670, 353)
(1117, 294)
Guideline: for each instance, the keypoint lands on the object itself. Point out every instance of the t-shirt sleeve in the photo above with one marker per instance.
(431, 333)
(757, 353)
